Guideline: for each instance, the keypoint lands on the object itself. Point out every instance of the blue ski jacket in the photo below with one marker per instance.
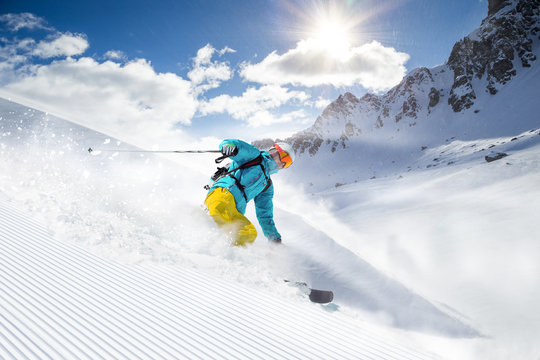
(256, 183)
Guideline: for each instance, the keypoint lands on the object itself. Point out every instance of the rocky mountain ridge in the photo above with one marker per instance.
(479, 66)
(503, 42)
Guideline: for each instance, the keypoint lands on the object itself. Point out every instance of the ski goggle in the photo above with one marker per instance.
(283, 156)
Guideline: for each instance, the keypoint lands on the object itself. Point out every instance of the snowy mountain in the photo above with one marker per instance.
(485, 89)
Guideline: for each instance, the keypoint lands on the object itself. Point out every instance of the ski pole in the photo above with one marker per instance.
(90, 150)
(218, 160)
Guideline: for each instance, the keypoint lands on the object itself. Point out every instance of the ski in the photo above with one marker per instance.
(315, 295)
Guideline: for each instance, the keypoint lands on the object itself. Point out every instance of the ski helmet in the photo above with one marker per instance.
(286, 153)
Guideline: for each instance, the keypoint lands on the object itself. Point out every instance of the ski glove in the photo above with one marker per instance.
(229, 150)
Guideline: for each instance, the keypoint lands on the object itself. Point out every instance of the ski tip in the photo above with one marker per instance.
(321, 296)
(315, 295)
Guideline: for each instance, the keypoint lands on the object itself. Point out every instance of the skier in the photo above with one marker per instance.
(248, 177)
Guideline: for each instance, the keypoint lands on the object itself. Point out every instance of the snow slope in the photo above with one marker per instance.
(462, 234)
(110, 256)
(441, 257)
(59, 301)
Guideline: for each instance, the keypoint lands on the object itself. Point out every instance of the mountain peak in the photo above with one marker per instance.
(496, 5)
(342, 105)
(491, 51)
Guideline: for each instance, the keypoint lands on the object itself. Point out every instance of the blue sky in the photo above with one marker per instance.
(188, 72)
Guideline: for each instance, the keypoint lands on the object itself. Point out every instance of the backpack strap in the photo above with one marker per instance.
(254, 162)
(240, 186)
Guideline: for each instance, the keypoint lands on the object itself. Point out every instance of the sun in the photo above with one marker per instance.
(331, 27)
(333, 35)
(328, 31)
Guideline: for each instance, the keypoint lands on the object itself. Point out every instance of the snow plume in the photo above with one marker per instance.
(311, 63)
(129, 207)
(322, 241)
(116, 197)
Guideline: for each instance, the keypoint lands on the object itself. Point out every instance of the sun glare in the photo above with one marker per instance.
(330, 26)
(332, 35)
(330, 30)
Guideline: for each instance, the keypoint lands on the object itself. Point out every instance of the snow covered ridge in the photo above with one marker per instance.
(462, 152)
(488, 83)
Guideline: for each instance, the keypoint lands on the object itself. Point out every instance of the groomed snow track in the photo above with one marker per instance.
(60, 302)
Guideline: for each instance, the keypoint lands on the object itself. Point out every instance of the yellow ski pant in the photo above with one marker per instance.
(222, 208)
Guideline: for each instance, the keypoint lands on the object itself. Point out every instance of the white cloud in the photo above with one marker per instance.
(225, 50)
(311, 64)
(56, 44)
(12, 57)
(321, 102)
(207, 74)
(15, 22)
(266, 118)
(63, 45)
(16, 53)
(254, 104)
(128, 99)
(115, 55)
(25, 45)
(204, 55)
(131, 101)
